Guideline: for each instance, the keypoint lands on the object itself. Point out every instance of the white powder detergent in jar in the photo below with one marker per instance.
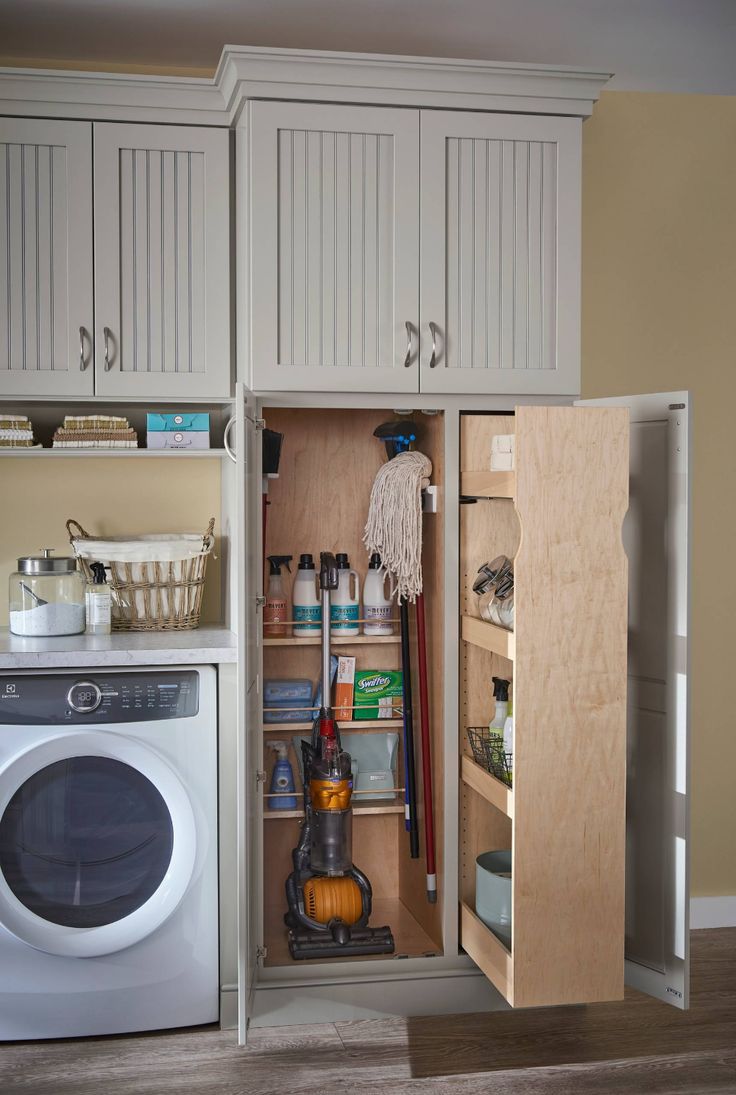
(46, 596)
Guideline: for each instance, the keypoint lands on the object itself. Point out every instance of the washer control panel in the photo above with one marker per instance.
(45, 699)
(84, 697)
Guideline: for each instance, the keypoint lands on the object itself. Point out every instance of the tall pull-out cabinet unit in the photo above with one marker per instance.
(599, 865)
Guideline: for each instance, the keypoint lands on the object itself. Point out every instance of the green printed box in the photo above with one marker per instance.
(378, 694)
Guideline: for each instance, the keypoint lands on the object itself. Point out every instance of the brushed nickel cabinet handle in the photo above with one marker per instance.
(407, 359)
(107, 333)
(82, 362)
(433, 331)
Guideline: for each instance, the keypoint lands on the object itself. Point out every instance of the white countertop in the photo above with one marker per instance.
(201, 646)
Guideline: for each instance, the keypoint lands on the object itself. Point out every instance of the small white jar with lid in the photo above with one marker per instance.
(46, 596)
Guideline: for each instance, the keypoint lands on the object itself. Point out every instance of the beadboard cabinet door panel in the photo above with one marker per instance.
(162, 271)
(334, 239)
(46, 307)
(500, 253)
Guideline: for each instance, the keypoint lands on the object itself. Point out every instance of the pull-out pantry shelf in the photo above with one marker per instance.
(489, 637)
(486, 785)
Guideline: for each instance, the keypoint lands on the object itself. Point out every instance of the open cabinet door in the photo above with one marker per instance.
(656, 536)
(248, 442)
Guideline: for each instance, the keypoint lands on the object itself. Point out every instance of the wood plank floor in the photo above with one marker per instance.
(637, 1046)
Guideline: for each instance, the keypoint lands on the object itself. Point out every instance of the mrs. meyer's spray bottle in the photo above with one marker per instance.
(275, 612)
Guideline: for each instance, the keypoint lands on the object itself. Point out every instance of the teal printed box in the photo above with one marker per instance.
(198, 422)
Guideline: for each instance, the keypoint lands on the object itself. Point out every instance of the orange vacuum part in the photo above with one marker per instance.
(330, 794)
(328, 898)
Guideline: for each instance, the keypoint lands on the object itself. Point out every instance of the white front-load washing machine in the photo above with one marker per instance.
(108, 851)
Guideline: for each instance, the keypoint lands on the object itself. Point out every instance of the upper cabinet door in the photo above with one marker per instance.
(162, 261)
(655, 536)
(334, 241)
(46, 311)
(500, 253)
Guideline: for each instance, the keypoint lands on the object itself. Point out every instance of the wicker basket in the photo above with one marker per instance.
(158, 593)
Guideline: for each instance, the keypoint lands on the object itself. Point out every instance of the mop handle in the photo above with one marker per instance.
(426, 753)
(410, 779)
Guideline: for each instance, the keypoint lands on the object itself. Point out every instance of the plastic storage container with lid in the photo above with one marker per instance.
(46, 596)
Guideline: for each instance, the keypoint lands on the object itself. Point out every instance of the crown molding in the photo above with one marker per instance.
(255, 72)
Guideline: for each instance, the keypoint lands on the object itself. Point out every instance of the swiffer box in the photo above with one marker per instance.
(378, 694)
(183, 430)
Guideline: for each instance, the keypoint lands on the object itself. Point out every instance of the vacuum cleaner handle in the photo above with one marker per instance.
(328, 575)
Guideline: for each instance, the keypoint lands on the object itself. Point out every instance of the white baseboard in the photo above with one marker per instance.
(713, 912)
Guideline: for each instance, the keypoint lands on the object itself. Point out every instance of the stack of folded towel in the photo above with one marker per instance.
(16, 431)
(95, 431)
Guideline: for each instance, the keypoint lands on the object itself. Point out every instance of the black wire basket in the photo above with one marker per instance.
(489, 753)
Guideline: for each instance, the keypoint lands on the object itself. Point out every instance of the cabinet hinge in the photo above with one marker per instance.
(261, 951)
(260, 602)
(260, 778)
(260, 423)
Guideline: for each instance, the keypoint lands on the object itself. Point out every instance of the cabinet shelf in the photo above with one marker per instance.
(361, 726)
(358, 811)
(487, 951)
(488, 636)
(351, 640)
(487, 786)
(174, 454)
(488, 484)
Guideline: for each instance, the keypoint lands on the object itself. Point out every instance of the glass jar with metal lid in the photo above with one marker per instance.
(46, 596)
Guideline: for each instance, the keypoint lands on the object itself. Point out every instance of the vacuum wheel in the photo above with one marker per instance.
(326, 899)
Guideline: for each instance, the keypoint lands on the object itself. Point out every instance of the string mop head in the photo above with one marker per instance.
(394, 525)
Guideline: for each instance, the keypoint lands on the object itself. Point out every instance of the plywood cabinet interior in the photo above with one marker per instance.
(46, 307)
(319, 503)
(564, 817)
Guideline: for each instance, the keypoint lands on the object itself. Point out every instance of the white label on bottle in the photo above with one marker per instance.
(99, 607)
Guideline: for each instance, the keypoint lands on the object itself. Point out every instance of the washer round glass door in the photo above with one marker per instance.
(97, 843)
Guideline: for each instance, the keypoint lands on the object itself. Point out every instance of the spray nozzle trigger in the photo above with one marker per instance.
(277, 561)
(98, 573)
(280, 748)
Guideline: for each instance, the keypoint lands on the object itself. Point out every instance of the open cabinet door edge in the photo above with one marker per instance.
(658, 745)
(248, 458)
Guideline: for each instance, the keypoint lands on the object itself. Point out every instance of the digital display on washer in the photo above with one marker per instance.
(70, 699)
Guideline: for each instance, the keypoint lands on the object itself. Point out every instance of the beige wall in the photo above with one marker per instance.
(109, 496)
(659, 313)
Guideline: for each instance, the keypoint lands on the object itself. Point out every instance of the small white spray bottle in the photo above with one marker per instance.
(98, 602)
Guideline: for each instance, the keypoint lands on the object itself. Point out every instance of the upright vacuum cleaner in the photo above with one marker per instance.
(329, 900)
